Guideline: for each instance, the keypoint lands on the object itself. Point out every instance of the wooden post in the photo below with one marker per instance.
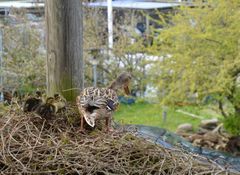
(1, 64)
(64, 24)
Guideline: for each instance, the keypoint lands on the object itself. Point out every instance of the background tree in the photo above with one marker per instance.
(128, 52)
(24, 54)
(201, 54)
(25, 64)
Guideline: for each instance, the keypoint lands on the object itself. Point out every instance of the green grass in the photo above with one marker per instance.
(151, 114)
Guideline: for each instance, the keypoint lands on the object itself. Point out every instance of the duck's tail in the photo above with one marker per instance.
(90, 118)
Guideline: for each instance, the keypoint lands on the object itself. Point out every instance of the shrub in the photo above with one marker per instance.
(232, 124)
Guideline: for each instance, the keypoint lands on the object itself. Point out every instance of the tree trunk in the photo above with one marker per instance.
(220, 106)
(65, 74)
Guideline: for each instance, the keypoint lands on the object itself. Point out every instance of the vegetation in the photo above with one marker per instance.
(199, 50)
(201, 55)
(131, 58)
(24, 65)
(152, 115)
(31, 145)
(232, 124)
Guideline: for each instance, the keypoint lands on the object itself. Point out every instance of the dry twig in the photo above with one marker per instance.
(32, 145)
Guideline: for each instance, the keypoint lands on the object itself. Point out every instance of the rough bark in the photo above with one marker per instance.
(64, 47)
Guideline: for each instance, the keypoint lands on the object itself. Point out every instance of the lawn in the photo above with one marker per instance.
(151, 114)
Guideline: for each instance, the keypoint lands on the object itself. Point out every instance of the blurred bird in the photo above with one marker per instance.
(97, 103)
(7, 97)
(51, 106)
(33, 102)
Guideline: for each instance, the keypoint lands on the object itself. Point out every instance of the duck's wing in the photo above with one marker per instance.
(98, 97)
(93, 98)
(90, 97)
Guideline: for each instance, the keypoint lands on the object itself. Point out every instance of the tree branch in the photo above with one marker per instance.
(218, 42)
(220, 106)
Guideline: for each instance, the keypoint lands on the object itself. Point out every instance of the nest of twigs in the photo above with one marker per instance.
(33, 145)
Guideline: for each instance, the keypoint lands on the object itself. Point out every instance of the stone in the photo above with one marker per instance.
(186, 127)
(209, 124)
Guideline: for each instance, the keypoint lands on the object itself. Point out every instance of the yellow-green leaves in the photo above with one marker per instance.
(204, 44)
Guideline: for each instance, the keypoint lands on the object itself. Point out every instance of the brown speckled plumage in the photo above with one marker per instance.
(98, 97)
(92, 99)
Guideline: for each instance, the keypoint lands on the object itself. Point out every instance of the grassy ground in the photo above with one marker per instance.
(151, 114)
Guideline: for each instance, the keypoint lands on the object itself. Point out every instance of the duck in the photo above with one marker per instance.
(51, 106)
(47, 108)
(99, 103)
(33, 102)
(7, 97)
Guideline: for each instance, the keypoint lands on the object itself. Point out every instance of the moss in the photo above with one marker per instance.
(63, 87)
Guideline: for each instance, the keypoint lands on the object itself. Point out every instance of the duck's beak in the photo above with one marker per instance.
(126, 89)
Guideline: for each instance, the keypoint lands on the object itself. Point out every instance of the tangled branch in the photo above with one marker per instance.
(32, 145)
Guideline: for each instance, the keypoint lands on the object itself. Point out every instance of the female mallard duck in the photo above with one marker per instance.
(94, 103)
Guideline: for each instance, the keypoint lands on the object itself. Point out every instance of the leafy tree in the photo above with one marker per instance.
(201, 57)
(24, 65)
(127, 54)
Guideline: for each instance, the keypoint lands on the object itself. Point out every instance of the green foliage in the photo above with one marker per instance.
(232, 124)
(236, 97)
(206, 111)
(128, 50)
(201, 57)
(24, 63)
(201, 52)
(141, 100)
(151, 114)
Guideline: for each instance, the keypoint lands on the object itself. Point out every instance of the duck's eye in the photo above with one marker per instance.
(56, 95)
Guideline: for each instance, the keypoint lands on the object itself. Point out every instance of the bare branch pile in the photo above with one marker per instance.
(30, 144)
(211, 135)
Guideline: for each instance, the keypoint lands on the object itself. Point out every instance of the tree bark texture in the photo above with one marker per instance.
(65, 74)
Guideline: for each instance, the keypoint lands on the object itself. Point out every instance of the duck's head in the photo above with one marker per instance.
(122, 82)
(50, 100)
(38, 94)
